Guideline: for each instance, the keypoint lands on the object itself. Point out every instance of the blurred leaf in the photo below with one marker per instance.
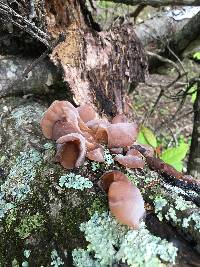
(105, 4)
(178, 165)
(197, 55)
(173, 155)
(193, 91)
(141, 139)
(150, 137)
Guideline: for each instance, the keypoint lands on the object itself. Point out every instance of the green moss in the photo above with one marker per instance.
(29, 224)
(97, 206)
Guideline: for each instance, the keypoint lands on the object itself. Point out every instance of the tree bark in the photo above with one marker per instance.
(194, 157)
(40, 215)
(158, 3)
(41, 80)
(96, 66)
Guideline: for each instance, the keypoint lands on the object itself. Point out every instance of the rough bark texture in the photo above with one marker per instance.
(158, 3)
(155, 32)
(38, 214)
(188, 33)
(97, 66)
(40, 80)
(194, 158)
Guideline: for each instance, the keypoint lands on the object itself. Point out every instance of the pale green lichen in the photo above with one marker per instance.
(171, 215)
(110, 242)
(82, 258)
(27, 253)
(75, 181)
(194, 219)
(22, 115)
(19, 179)
(95, 166)
(56, 261)
(181, 204)
(159, 204)
(48, 146)
(176, 190)
(29, 224)
(173, 211)
(108, 157)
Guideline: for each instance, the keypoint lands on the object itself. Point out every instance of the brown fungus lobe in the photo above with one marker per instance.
(59, 112)
(130, 161)
(71, 150)
(125, 200)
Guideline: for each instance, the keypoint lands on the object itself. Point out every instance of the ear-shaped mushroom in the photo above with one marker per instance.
(59, 112)
(130, 161)
(87, 113)
(71, 150)
(96, 154)
(125, 200)
(110, 177)
(133, 159)
(122, 134)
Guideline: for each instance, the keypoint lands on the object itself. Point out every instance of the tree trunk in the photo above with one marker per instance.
(194, 157)
(96, 66)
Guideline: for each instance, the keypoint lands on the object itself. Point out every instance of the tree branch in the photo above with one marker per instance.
(158, 3)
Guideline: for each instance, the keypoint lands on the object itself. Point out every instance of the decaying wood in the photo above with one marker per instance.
(97, 66)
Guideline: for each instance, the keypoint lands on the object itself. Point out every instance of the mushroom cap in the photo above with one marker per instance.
(96, 154)
(94, 124)
(71, 150)
(130, 161)
(58, 111)
(126, 203)
(109, 177)
(62, 128)
(87, 113)
(134, 152)
(122, 134)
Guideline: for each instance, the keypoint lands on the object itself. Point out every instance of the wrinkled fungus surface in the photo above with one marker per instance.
(80, 132)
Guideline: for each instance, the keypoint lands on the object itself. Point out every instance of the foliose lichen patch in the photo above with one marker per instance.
(110, 242)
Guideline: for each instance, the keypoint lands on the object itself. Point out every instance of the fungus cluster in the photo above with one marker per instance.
(80, 132)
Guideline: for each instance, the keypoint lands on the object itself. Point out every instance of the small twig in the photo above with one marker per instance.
(165, 60)
(133, 14)
(180, 62)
